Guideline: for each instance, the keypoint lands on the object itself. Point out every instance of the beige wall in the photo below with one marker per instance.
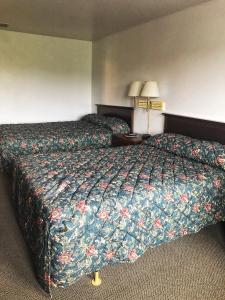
(184, 52)
(43, 78)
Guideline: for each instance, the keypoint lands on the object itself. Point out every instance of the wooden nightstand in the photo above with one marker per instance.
(123, 140)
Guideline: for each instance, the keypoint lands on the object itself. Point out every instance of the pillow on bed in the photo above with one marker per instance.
(115, 124)
(212, 153)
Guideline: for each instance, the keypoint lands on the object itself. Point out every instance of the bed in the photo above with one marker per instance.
(82, 211)
(91, 131)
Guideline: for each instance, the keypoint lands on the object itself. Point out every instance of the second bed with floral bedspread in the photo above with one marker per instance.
(92, 131)
(81, 211)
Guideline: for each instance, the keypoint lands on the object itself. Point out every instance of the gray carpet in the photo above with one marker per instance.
(190, 268)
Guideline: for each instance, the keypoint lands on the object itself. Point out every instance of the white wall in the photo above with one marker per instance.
(43, 78)
(184, 52)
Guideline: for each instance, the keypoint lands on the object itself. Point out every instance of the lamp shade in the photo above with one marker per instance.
(150, 89)
(135, 89)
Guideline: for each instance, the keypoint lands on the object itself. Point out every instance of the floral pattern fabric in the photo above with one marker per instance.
(212, 153)
(118, 126)
(20, 139)
(82, 211)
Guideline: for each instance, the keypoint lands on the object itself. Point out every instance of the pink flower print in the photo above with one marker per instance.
(23, 145)
(60, 164)
(195, 152)
(109, 255)
(61, 141)
(217, 183)
(81, 206)
(141, 223)
(169, 196)
(218, 216)
(103, 215)
(144, 176)
(48, 280)
(206, 167)
(174, 147)
(128, 187)
(196, 207)
(103, 184)
(161, 175)
(29, 176)
(23, 164)
(71, 142)
(91, 251)
(124, 212)
(184, 197)
(39, 191)
(65, 257)
(170, 234)
(157, 223)
(208, 207)
(132, 255)
(111, 157)
(149, 187)
(220, 160)
(184, 232)
(55, 214)
(34, 147)
(183, 177)
(52, 172)
(88, 174)
(84, 186)
(124, 174)
(157, 142)
(201, 176)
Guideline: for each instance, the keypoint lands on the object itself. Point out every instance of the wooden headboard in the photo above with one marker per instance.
(196, 128)
(122, 112)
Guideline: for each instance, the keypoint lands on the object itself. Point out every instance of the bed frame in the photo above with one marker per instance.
(122, 112)
(193, 127)
(196, 128)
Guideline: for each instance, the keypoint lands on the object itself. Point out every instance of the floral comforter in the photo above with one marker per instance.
(82, 211)
(21, 139)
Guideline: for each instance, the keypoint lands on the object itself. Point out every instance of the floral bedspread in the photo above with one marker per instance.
(82, 211)
(20, 139)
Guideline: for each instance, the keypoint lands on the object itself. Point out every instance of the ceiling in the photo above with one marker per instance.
(84, 19)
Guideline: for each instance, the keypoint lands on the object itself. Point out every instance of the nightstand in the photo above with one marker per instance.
(123, 140)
